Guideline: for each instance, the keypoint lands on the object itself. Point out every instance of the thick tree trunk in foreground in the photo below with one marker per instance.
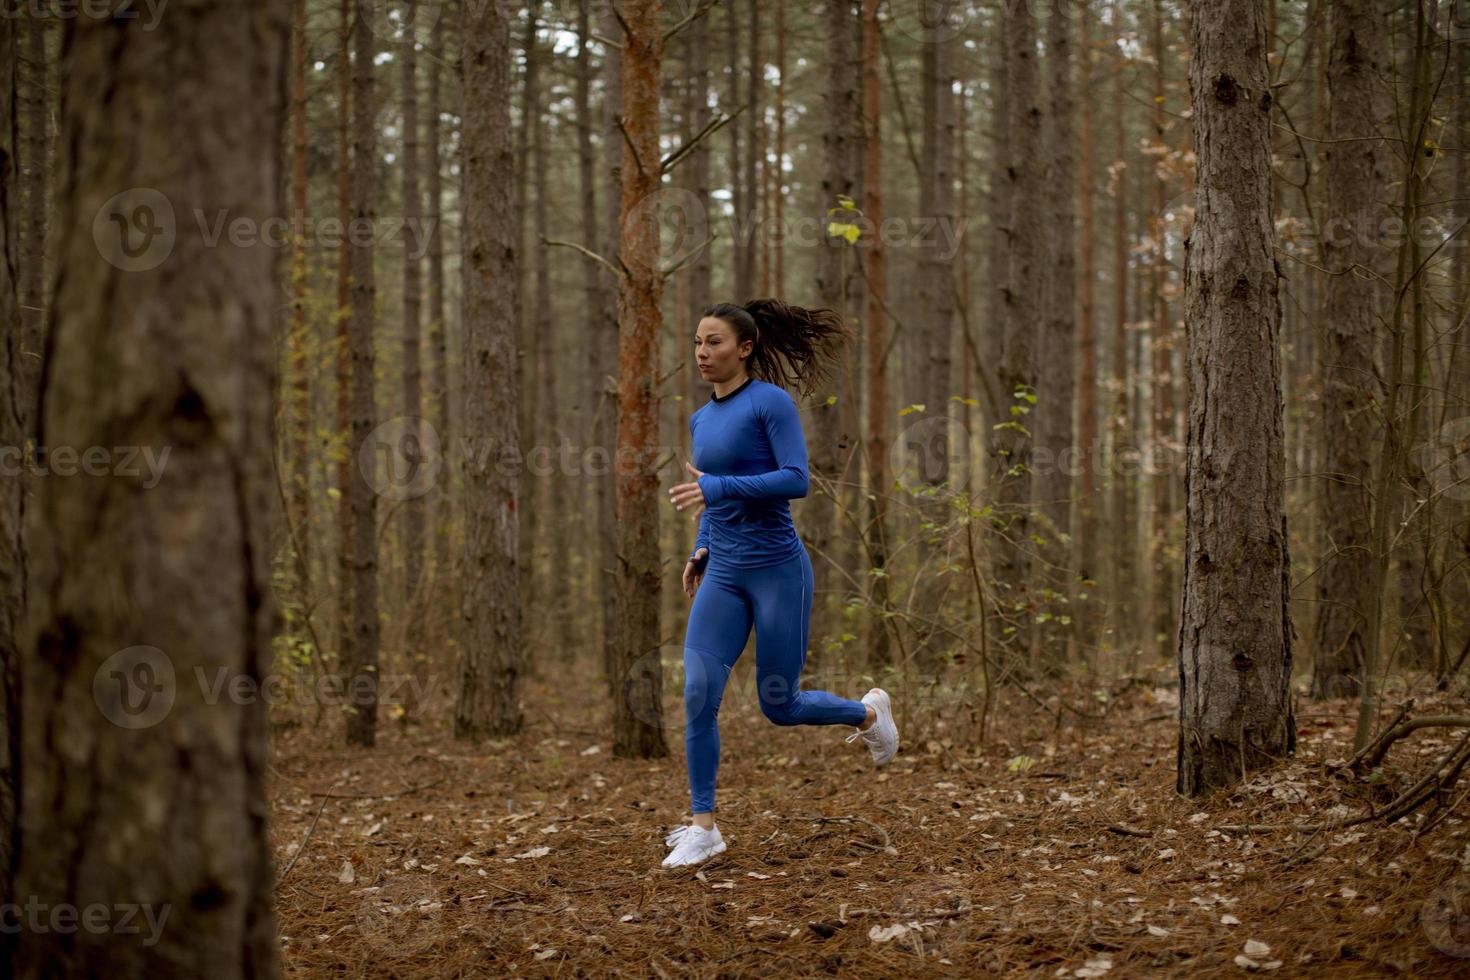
(140, 785)
(12, 500)
(1235, 631)
(491, 655)
(638, 678)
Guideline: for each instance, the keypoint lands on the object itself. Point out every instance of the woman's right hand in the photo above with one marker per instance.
(694, 572)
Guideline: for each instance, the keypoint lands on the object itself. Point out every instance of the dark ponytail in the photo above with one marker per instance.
(794, 346)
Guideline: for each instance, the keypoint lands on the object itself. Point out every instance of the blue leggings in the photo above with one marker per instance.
(777, 599)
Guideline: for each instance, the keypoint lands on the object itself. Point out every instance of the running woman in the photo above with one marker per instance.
(748, 566)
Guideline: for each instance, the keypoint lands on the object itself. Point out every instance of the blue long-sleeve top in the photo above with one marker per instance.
(750, 447)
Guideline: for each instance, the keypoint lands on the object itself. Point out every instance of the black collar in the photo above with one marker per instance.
(724, 398)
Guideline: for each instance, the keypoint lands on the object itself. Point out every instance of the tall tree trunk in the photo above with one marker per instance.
(138, 785)
(876, 286)
(529, 342)
(637, 706)
(1123, 565)
(740, 231)
(554, 607)
(13, 398)
(412, 376)
(1355, 175)
(778, 181)
(442, 496)
(362, 675)
(1057, 344)
(928, 439)
(605, 335)
(755, 136)
(1450, 470)
(1419, 592)
(1235, 634)
(298, 406)
(1161, 344)
(1024, 288)
(346, 485)
(1386, 475)
(492, 658)
(1086, 550)
(588, 396)
(35, 196)
(819, 519)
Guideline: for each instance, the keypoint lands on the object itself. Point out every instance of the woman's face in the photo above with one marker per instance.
(718, 355)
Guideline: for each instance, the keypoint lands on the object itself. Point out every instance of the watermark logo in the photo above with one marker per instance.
(682, 221)
(400, 917)
(678, 685)
(138, 229)
(401, 458)
(931, 21)
(1445, 917)
(134, 688)
(393, 21)
(931, 918)
(929, 451)
(1445, 458)
(135, 231)
(137, 687)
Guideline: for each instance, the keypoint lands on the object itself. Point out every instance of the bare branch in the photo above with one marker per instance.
(587, 252)
(709, 130)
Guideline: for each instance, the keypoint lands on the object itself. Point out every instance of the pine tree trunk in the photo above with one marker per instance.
(298, 406)
(587, 397)
(343, 314)
(927, 439)
(1086, 549)
(1024, 299)
(443, 495)
(1355, 175)
(35, 196)
(529, 343)
(140, 786)
(1235, 634)
(819, 515)
(1057, 344)
(1452, 465)
(605, 336)
(13, 396)
(1123, 568)
(492, 658)
(412, 377)
(362, 674)
(876, 281)
(638, 687)
(1161, 402)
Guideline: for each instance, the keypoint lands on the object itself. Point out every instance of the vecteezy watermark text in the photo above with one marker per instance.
(98, 918)
(137, 229)
(114, 10)
(130, 461)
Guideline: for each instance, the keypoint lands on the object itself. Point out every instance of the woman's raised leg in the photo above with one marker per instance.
(782, 598)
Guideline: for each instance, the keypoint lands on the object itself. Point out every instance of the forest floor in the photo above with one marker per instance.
(1057, 852)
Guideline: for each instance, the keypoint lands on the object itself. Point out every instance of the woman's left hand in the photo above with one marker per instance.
(687, 495)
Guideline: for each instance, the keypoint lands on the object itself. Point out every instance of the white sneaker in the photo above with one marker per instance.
(692, 844)
(882, 735)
